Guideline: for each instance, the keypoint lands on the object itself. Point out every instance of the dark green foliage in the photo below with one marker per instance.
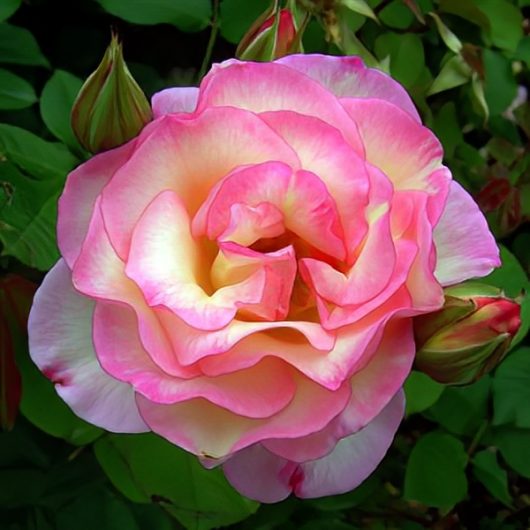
(462, 456)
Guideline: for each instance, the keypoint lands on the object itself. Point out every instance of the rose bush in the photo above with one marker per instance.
(241, 278)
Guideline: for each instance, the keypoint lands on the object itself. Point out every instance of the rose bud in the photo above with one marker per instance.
(469, 336)
(273, 35)
(110, 108)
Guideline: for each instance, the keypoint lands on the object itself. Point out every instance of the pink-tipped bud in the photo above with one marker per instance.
(469, 336)
(110, 108)
(273, 35)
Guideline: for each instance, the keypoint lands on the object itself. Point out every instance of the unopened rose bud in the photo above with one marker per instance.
(273, 35)
(469, 336)
(110, 108)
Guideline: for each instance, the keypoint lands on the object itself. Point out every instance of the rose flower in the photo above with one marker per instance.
(242, 277)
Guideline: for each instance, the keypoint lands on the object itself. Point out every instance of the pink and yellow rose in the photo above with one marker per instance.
(241, 278)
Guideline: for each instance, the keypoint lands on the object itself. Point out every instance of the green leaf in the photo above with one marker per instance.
(467, 9)
(147, 467)
(500, 87)
(448, 129)
(360, 7)
(187, 15)
(449, 38)
(19, 487)
(523, 50)
(421, 392)
(98, 509)
(116, 466)
(461, 410)
(15, 92)
(435, 473)
(492, 476)
(236, 17)
(514, 445)
(406, 56)
(18, 45)
(28, 213)
(28, 206)
(8, 7)
(38, 158)
(455, 72)
(57, 99)
(396, 15)
(505, 23)
(511, 390)
(44, 408)
(477, 91)
(510, 277)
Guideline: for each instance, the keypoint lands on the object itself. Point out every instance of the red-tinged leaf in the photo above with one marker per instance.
(16, 294)
(10, 383)
(493, 194)
(413, 6)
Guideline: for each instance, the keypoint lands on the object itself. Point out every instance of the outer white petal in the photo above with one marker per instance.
(60, 341)
(465, 246)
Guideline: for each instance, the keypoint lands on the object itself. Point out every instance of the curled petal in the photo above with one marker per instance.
(165, 261)
(323, 151)
(374, 264)
(233, 263)
(306, 205)
(192, 345)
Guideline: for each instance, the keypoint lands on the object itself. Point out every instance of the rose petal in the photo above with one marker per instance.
(408, 153)
(257, 392)
(352, 343)
(166, 262)
(187, 156)
(374, 265)
(263, 87)
(174, 100)
(76, 204)
(355, 457)
(224, 432)
(234, 263)
(352, 461)
(372, 386)
(249, 223)
(60, 341)
(349, 77)
(323, 151)
(192, 345)
(99, 273)
(307, 208)
(465, 246)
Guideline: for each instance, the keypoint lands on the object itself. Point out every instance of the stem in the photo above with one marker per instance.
(478, 436)
(211, 41)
